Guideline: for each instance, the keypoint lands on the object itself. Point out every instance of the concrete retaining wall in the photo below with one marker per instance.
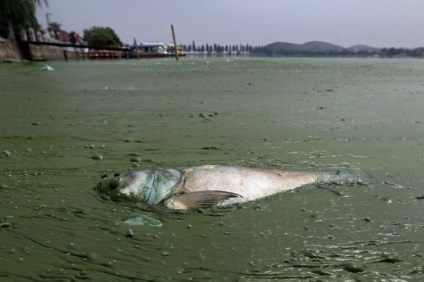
(9, 51)
(43, 53)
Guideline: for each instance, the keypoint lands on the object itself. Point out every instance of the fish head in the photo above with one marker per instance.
(125, 186)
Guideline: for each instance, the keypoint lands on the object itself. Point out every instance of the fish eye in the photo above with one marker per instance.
(114, 183)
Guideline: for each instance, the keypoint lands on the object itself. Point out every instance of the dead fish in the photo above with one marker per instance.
(209, 185)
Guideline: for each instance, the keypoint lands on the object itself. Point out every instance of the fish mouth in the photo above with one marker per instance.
(109, 185)
(103, 185)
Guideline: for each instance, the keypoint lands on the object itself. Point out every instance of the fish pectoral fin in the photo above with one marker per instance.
(201, 199)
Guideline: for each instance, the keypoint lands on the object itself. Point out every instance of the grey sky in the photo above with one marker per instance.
(379, 23)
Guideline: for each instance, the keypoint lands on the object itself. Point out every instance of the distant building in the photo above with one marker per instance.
(65, 36)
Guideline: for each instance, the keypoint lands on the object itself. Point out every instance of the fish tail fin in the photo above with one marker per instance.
(341, 177)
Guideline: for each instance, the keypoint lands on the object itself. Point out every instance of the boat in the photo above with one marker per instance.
(104, 54)
(155, 50)
(179, 50)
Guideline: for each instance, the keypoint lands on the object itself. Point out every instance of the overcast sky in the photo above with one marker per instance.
(378, 23)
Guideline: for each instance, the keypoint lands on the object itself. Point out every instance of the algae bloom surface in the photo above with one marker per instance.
(61, 130)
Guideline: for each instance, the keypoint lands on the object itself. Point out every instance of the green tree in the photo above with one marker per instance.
(54, 28)
(73, 37)
(101, 36)
(16, 15)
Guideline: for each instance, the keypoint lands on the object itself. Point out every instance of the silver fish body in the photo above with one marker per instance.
(208, 185)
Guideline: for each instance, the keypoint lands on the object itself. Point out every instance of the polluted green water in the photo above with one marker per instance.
(61, 130)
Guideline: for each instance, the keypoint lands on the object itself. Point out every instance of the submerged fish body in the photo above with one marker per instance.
(208, 185)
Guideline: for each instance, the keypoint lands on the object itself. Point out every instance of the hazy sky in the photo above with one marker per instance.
(378, 23)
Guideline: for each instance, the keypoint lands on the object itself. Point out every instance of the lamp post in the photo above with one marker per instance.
(48, 20)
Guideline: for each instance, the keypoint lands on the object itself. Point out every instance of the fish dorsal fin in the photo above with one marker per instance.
(200, 199)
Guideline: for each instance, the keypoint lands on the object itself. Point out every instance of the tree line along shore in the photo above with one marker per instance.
(20, 30)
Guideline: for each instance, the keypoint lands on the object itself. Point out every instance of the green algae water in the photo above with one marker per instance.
(61, 130)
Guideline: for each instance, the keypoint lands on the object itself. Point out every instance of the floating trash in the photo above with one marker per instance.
(143, 220)
(5, 225)
(130, 233)
(47, 68)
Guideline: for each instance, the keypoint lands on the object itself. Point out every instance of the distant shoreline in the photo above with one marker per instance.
(10, 51)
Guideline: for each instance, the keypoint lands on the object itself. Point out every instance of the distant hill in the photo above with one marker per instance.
(313, 48)
(320, 47)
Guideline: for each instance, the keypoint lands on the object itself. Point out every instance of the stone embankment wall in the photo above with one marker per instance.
(9, 52)
(45, 53)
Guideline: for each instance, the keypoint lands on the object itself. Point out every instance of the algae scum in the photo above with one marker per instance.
(61, 130)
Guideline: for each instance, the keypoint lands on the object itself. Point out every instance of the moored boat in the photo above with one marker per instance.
(155, 50)
(104, 53)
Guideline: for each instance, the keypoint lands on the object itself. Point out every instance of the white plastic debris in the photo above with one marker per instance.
(47, 68)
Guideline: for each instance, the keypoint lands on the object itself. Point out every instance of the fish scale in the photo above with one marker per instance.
(250, 183)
